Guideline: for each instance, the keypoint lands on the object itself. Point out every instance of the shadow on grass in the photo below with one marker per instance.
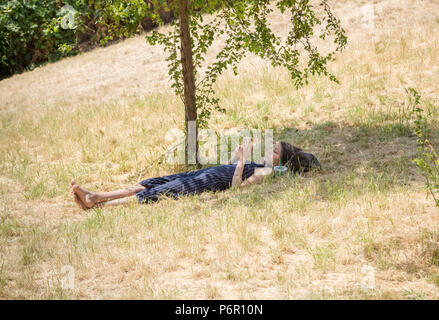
(355, 160)
(340, 149)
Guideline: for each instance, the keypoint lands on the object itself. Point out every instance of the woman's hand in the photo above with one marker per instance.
(246, 149)
(243, 151)
(240, 152)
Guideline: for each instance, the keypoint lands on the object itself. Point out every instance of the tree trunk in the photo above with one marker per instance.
(189, 85)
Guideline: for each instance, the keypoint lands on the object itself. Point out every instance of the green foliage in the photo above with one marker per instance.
(31, 31)
(428, 161)
(245, 26)
(29, 34)
(115, 18)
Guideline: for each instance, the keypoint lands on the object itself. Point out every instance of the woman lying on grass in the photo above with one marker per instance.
(237, 173)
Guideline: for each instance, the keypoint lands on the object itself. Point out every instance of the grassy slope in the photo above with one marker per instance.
(102, 117)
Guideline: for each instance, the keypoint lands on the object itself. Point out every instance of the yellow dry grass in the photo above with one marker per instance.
(101, 118)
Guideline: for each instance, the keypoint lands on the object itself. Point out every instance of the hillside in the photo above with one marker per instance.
(101, 118)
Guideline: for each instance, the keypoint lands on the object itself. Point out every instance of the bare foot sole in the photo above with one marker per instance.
(87, 198)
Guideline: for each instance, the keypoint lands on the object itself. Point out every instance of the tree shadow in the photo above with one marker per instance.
(343, 148)
(359, 159)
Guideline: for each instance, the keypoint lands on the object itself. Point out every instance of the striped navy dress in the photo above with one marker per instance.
(208, 179)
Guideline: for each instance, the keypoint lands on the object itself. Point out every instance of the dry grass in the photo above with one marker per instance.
(101, 117)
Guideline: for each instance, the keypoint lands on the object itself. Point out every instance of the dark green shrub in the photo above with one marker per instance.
(31, 31)
(29, 34)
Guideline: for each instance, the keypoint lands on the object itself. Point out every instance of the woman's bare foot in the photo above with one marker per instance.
(89, 199)
(79, 202)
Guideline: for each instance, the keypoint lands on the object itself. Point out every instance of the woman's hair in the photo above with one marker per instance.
(295, 159)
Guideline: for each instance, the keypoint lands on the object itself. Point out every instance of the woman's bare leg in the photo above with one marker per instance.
(118, 202)
(90, 199)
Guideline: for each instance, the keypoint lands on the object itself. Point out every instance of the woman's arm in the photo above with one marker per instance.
(257, 177)
(237, 175)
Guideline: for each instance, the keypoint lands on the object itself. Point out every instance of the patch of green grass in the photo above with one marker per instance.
(97, 220)
(2, 275)
(434, 278)
(382, 254)
(212, 292)
(29, 255)
(414, 295)
(58, 294)
(299, 197)
(327, 126)
(36, 190)
(323, 257)
(429, 242)
(35, 248)
(350, 185)
(9, 226)
(321, 294)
